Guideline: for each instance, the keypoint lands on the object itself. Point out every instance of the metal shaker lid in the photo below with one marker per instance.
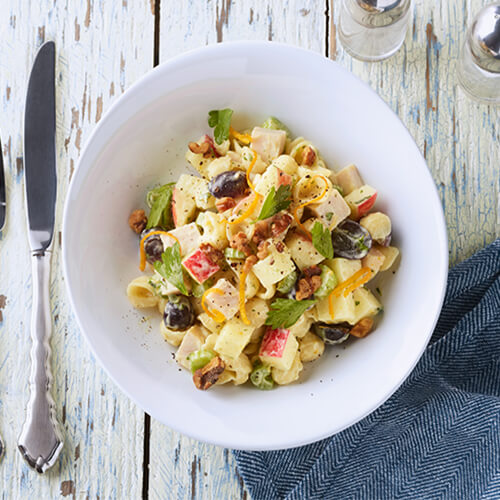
(484, 38)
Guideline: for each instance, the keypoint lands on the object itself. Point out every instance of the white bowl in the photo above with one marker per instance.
(141, 141)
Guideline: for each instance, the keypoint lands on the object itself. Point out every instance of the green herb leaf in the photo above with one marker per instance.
(170, 267)
(276, 201)
(322, 240)
(220, 120)
(286, 312)
(160, 202)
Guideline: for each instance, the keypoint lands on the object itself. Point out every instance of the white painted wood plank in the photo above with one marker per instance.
(102, 47)
(181, 467)
(459, 138)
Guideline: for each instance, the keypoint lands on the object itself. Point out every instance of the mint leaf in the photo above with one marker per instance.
(286, 312)
(170, 267)
(276, 201)
(160, 202)
(220, 120)
(322, 240)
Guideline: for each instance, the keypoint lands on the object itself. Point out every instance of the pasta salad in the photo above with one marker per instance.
(261, 259)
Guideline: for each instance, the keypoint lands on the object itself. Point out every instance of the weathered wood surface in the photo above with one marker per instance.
(459, 138)
(102, 47)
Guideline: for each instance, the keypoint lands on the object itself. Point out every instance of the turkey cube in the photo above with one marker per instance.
(274, 267)
(331, 210)
(278, 348)
(269, 144)
(302, 251)
(343, 310)
(192, 341)
(349, 179)
(189, 238)
(233, 338)
(226, 302)
(199, 266)
(365, 304)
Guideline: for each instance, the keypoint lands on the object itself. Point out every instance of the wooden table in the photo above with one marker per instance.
(112, 449)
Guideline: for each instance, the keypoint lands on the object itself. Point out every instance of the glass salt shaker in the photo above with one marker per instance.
(372, 30)
(478, 68)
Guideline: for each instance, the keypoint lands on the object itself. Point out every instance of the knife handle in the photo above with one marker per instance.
(40, 441)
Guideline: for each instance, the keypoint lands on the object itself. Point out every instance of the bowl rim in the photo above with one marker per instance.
(78, 178)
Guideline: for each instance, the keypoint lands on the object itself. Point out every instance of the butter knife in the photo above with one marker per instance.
(2, 195)
(40, 441)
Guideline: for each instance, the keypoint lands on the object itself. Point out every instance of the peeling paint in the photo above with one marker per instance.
(68, 488)
(87, 15)
(222, 18)
(98, 112)
(77, 30)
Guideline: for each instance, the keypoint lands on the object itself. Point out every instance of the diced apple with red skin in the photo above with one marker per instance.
(268, 143)
(349, 179)
(278, 348)
(199, 266)
(331, 210)
(361, 200)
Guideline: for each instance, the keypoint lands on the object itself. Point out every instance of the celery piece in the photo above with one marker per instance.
(198, 359)
(287, 283)
(328, 282)
(261, 377)
(233, 254)
(274, 124)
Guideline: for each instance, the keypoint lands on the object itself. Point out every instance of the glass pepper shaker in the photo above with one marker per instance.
(372, 30)
(478, 68)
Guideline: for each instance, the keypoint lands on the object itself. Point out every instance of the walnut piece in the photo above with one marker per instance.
(307, 286)
(223, 204)
(308, 156)
(273, 227)
(263, 250)
(212, 253)
(362, 328)
(249, 263)
(206, 377)
(240, 242)
(200, 149)
(312, 271)
(137, 221)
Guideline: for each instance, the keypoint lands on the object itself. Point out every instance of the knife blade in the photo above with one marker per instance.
(3, 206)
(40, 150)
(40, 440)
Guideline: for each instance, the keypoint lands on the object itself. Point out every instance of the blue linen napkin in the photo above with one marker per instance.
(438, 436)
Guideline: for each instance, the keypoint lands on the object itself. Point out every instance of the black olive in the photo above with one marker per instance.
(351, 240)
(179, 313)
(153, 246)
(332, 334)
(232, 184)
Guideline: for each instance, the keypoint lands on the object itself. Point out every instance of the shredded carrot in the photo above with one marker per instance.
(248, 211)
(244, 138)
(214, 314)
(243, 311)
(356, 280)
(359, 282)
(142, 264)
(314, 200)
